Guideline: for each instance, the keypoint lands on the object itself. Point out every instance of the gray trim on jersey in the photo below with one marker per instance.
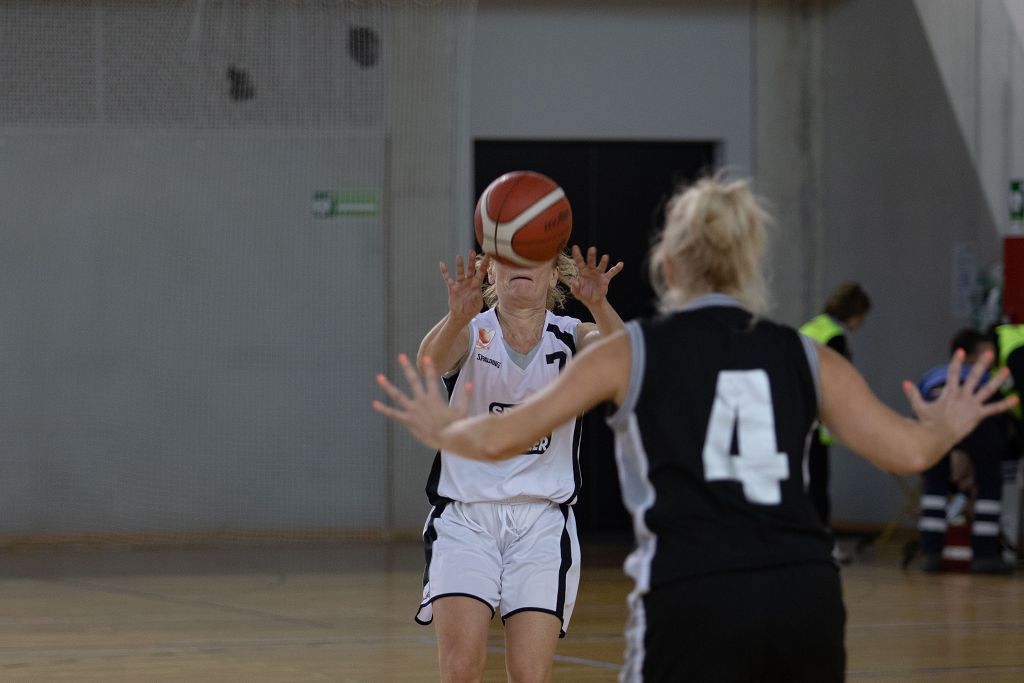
(638, 495)
(712, 299)
(636, 632)
(814, 361)
(620, 417)
(520, 359)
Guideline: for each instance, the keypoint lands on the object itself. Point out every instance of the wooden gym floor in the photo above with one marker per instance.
(343, 612)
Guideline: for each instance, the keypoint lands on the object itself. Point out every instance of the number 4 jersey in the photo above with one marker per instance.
(711, 442)
(550, 469)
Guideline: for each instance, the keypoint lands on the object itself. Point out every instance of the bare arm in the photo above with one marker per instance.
(598, 374)
(890, 441)
(591, 289)
(448, 341)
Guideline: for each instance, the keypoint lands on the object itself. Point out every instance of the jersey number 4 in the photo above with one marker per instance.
(743, 408)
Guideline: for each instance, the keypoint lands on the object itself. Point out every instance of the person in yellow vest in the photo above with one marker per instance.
(1010, 347)
(845, 311)
(1010, 355)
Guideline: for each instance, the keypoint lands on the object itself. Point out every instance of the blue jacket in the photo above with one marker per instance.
(936, 379)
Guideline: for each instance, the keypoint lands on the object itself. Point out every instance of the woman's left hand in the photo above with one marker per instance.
(591, 284)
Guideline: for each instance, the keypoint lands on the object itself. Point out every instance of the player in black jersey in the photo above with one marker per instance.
(734, 577)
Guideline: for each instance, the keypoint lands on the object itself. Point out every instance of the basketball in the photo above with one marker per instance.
(523, 219)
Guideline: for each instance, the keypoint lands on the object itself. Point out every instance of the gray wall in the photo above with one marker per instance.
(178, 332)
(647, 70)
(898, 192)
(978, 46)
(430, 189)
(837, 109)
(185, 345)
(788, 133)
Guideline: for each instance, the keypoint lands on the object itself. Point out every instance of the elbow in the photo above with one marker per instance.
(492, 449)
(472, 447)
(904, 468)
(489, 454)
(914, 462)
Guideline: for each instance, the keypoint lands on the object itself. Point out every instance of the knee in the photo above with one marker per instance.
(527, 666)
(528, 670)
(459, 666)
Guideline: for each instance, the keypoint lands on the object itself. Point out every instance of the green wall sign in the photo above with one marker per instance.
(331, 203)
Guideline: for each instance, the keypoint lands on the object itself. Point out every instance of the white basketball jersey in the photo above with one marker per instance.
(550, 469)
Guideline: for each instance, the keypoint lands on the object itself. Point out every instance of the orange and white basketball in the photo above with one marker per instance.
(523, 218)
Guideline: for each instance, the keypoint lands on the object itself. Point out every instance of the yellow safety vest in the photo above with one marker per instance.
(1010, 338)
(822, 329)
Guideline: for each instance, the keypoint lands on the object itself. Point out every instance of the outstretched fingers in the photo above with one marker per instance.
(429, 377)
(465, 269)
(396, 395)
(481, 269)
(591, 262)
(614, 270)
(953, 372)
(461, 402)
(917, 402)
(411, 376)
(990, 409)
(588, 261)
(418, 388)
(388, 411)
(470, 264)
(975, 391)
(978, 370)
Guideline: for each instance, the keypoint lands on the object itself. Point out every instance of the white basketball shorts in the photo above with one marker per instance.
(511, 556)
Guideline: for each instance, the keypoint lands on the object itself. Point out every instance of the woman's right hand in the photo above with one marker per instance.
(465, 295)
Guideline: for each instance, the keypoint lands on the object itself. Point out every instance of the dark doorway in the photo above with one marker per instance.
(617, 191)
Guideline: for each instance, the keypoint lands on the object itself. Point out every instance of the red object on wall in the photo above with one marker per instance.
(1013, 279)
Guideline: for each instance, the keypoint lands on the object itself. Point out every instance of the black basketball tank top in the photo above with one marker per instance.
(711, 444)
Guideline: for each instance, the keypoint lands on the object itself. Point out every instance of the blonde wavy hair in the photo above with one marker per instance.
(714, 239)
(557, 295)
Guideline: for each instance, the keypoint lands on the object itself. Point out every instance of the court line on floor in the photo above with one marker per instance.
(245, 611)
(935, 670)
(565, 659)
(497, 649)
(938, 625)
(198, 646)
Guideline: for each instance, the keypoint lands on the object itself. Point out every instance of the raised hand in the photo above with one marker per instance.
(960, 407)
(424, 412)
(591, 284)
(465, 298)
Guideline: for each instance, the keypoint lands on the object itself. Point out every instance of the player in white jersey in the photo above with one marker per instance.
(501, 536)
